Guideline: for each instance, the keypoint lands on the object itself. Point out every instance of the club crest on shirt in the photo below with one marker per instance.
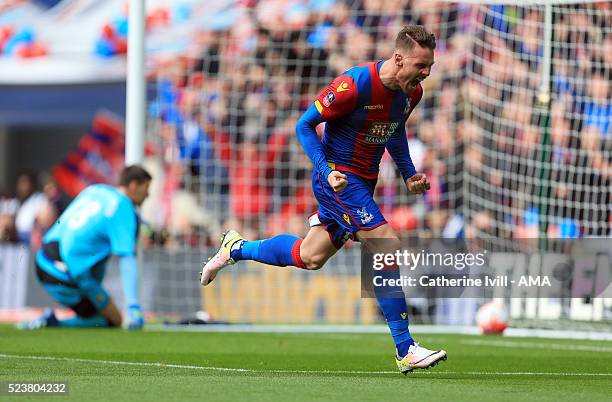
(408, 107)
(329, 99)
(364, 216)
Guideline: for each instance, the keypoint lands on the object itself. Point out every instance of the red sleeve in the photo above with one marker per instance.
(338, 99)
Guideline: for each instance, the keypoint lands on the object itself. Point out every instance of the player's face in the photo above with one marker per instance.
(138, 192)
(414, 66)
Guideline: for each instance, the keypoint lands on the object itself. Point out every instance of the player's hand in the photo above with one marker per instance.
(417, 184)
(135, 317)
(337, 181)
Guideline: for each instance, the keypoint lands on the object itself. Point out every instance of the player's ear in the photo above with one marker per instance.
(399, 59)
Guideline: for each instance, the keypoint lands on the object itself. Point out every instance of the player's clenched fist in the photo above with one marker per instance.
(417, 184)
(337, 181)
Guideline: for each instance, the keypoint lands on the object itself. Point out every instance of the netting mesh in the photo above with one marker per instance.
(535, 169)
(222, 118)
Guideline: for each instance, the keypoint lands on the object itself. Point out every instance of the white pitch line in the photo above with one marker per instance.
(535, 345)
(183, 366)
(380, 329)
(534, 373)
(122, 363)
(230, 369)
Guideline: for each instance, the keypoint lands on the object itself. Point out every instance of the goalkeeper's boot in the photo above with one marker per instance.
(222, 259)
(47, 319)
(419, 357)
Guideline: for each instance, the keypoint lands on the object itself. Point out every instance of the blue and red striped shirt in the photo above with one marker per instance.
(363, 118)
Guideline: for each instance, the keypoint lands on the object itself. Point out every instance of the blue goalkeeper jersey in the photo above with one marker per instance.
(363, 119)
(100, 221)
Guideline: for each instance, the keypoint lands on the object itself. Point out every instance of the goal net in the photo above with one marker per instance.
(514, 132)
(539, 139)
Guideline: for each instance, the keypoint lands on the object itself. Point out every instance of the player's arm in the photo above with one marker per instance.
(122, 235)
(130, 280)
(397, 146)
(307, 134)
(335, 101)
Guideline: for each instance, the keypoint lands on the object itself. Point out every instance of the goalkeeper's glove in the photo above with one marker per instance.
(135, 317)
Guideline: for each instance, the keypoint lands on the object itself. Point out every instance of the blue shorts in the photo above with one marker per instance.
(84, 302)
(345, 213)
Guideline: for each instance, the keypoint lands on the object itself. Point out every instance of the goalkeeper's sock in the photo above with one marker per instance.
(396, 314)
(281, 250)
(81, 322)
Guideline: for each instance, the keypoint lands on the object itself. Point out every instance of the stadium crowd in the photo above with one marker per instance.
(26, 217)
(230, 113)
(223, 121)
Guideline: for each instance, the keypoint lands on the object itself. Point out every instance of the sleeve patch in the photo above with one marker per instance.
(338, 98)
(329, 99)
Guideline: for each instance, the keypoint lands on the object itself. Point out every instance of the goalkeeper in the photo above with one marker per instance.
(71, 264)
(365, 110)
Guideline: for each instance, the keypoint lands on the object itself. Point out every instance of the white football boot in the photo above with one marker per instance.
(222, 259)
(419, 357)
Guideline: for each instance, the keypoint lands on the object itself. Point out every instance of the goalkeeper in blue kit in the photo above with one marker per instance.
(70, 266)
(365, 110)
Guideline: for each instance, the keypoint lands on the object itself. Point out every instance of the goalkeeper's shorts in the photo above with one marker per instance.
(85, 297)
(345, 213)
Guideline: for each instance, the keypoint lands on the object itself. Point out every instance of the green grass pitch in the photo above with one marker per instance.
(120, 365)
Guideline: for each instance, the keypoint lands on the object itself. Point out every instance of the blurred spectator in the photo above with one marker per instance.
(30, 203)
(54, 195)
(54, 204)
(8, 211)
(598, 108)
(189, 224)
(44, 219)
